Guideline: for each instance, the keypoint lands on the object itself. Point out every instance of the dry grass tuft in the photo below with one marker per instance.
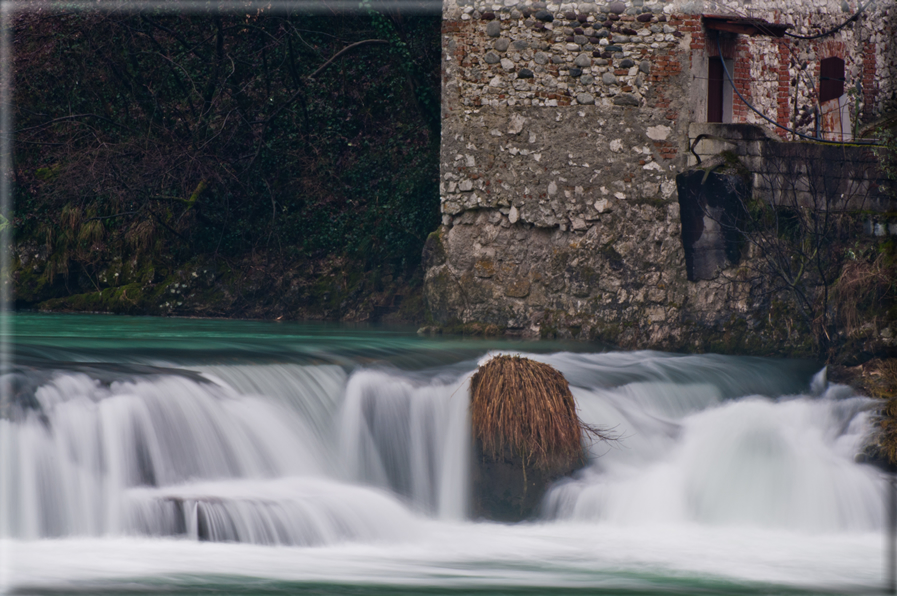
(887, 389)
(91, 232)
(862, 288)
(526, 408)
(141, 236)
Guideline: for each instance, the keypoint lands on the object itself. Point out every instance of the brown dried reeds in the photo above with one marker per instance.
(525, 408)
(863, 289)
(886, 388)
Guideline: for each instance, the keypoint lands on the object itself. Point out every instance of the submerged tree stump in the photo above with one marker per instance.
(526, 435)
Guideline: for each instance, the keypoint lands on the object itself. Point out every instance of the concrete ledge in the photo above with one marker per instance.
(732, 132)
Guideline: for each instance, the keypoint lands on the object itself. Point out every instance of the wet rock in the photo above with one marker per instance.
(544, 16)
(626, 99)
(503, 491)
(524, 73)
(616, 8)
(518, 288)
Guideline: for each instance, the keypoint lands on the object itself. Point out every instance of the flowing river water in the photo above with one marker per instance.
(142, 455)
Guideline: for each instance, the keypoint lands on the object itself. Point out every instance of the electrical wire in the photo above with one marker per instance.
(773, 122)
(855, 16)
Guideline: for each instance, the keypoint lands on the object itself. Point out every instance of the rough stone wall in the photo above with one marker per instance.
(564, 126)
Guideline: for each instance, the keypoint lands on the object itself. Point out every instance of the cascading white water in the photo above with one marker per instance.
(137, 456)
(411, 439)
(76, 458)
(310, 455)
(753, 461)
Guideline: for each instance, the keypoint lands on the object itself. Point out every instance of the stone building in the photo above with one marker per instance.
(565, 127)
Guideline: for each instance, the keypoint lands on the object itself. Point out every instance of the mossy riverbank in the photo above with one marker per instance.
(325, 289)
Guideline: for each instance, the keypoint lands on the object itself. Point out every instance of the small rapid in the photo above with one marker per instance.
(752, 461)
(356, 455)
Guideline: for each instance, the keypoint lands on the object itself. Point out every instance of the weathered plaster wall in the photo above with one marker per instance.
(564, 126)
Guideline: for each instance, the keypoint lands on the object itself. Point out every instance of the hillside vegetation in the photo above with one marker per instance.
(280, 165)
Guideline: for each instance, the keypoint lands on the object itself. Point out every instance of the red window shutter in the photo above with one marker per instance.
(831, 79)
(715, 76)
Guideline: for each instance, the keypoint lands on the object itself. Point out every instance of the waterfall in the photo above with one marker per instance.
(162, 454)
(785, 463)
(320, 454)
(166, 455)
(411, 439)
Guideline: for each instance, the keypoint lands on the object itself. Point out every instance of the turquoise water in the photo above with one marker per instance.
(184, 456)
(124, 338)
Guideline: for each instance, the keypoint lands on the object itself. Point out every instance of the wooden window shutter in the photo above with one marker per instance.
(715, 76)
(831, 79)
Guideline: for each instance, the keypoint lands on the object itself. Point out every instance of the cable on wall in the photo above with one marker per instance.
(773, 122)
(853, 18)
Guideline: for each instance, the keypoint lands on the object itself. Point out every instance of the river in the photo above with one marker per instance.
(173, 456)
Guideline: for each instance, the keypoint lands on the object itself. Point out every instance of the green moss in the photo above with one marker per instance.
(31, 286)
(548, 327)
(45, 174)
(434, 248)
(652, 202)
(733, 166)
(606, 333)
(127, 299)
(456, 327)
(413, 308)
